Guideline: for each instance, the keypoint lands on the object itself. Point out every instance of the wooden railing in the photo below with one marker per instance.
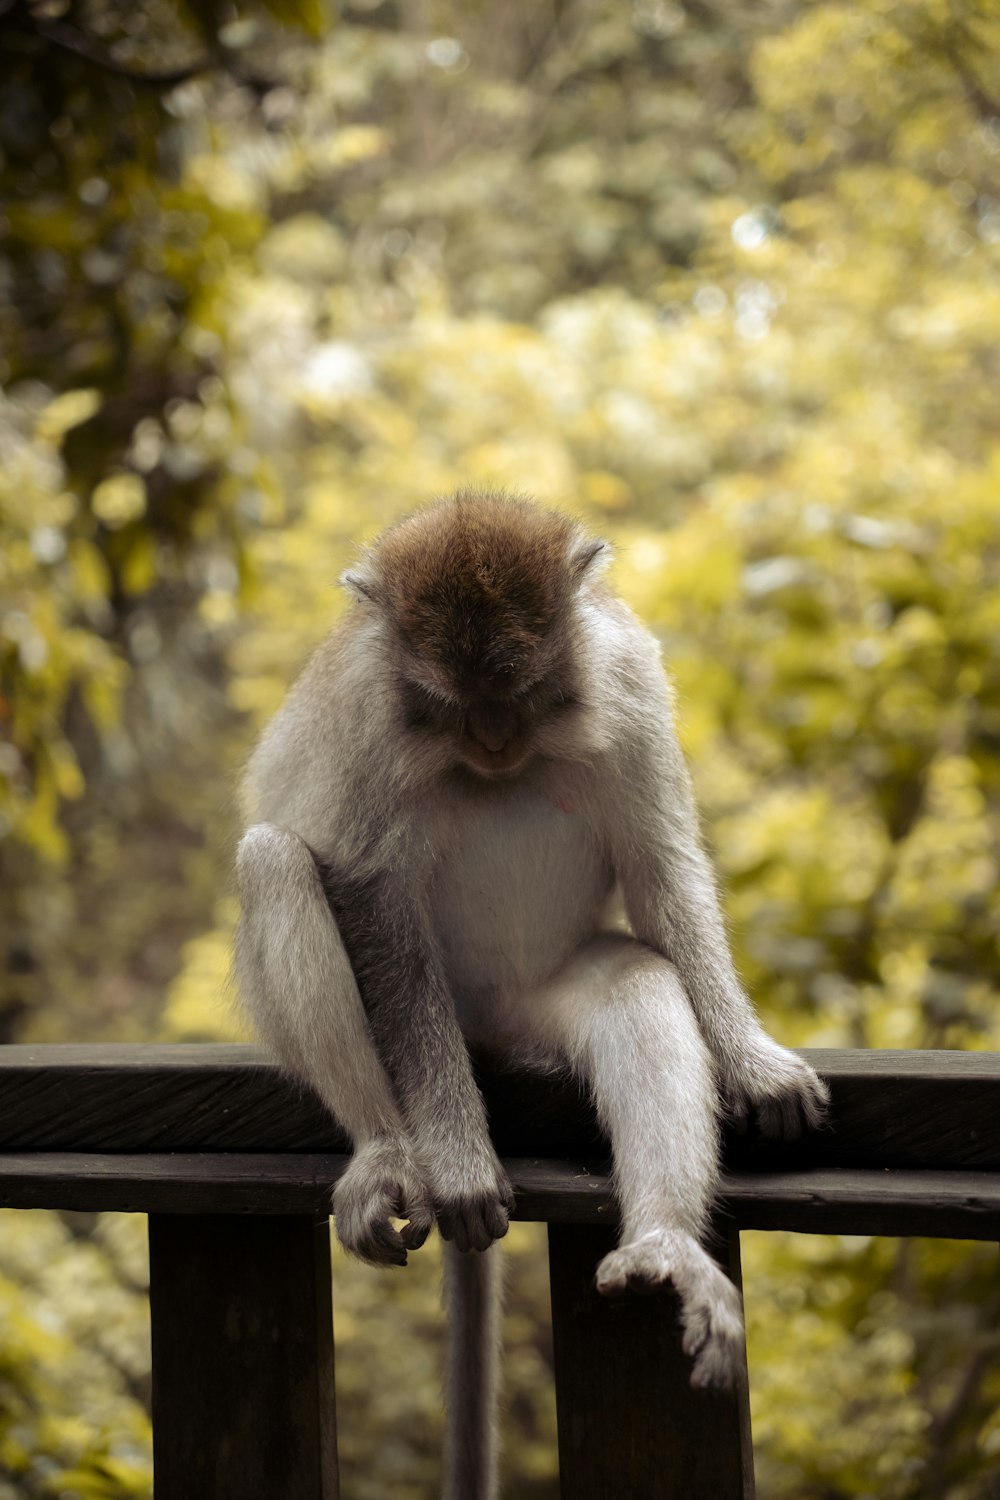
(235, 1167)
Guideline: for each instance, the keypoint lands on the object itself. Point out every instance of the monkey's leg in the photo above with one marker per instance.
(620, 1015)
(300, 993)
(473, 1293)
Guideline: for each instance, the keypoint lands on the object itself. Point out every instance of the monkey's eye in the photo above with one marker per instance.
(425, 709)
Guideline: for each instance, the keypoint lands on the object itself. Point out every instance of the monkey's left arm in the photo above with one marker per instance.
(673, 905)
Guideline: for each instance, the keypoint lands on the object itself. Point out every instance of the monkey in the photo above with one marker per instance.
(475, 770)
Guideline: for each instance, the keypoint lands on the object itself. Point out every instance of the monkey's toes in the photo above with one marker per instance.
(718, 1365)
(710, 1309)
(713, 1337)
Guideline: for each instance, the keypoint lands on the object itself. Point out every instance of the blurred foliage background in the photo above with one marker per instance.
(723, 279)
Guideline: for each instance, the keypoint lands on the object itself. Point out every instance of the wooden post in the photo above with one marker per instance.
(629, 1422)
(242, 1324)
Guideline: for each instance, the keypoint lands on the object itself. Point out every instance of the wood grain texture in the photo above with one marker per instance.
(952, 1205)
(629, 1422)
(243, 1389)
(890, 1109)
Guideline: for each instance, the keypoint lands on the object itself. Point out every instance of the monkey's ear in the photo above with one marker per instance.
(360, 582)
(589, 556)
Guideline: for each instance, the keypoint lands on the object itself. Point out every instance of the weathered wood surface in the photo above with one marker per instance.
(243, 1390)
(890, 1109)
(629, 1421)
(957, 1205)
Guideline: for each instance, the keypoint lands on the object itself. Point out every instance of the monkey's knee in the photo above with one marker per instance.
(639, 1001)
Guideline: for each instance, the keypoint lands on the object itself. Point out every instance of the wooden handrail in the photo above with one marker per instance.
(814, 1200)
(890, 1109)
(235, 1166)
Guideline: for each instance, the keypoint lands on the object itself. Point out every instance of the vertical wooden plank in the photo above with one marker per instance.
(242, 1324)
(732, 1262)
(629, 1422)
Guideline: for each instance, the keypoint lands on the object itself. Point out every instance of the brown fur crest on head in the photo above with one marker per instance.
(477, 586)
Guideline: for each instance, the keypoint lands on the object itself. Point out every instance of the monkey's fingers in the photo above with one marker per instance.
(461, 1224)
(472, 1223)
(775, 1092)
(780, 1119)
(791, 1110)
(371, 1236)
(815, 1101)
(412, 1203)
(381, 1245)
(497, 1217)
(421, 1222)
(365, 1200)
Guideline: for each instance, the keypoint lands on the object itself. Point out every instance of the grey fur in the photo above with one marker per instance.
(396, 906)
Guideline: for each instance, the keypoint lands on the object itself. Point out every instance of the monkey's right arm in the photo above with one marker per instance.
(301, 994)
(418, 1038)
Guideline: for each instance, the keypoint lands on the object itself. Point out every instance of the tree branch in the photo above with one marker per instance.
(71, 40)
(80, 45)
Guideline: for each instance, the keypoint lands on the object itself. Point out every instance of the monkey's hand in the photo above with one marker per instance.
(473, 1198)
(382, 1182)
(772, 1087)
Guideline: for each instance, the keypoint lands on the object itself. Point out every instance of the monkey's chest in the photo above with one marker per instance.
(515, 893)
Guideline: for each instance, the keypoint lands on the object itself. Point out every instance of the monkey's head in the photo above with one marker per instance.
(478, 593)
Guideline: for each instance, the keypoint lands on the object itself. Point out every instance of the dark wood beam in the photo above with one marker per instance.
(951, 1204)
(927, 1110)
(242, 1328)
(630, 1423)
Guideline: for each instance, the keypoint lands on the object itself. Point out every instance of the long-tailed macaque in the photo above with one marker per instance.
(473, 770)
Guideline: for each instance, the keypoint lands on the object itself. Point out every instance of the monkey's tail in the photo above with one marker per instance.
(473, 1294)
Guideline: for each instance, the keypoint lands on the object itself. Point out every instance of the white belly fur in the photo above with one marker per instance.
(515, 893)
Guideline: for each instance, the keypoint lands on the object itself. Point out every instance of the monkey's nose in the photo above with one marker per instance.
(491, 725)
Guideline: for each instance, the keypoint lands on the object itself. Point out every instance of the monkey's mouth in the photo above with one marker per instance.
(503, 762)
(493, 740)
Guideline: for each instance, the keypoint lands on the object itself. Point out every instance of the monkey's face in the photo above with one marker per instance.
(479, 595)
(487, 696)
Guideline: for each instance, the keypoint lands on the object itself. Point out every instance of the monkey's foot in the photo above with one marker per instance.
(382, 1182)
(772, 1087)
(711, 1310)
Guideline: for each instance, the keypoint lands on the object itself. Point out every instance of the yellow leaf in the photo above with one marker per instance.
(68, 776)
(91, 579)
(118, 500)
(139, 569)
(66, 411)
